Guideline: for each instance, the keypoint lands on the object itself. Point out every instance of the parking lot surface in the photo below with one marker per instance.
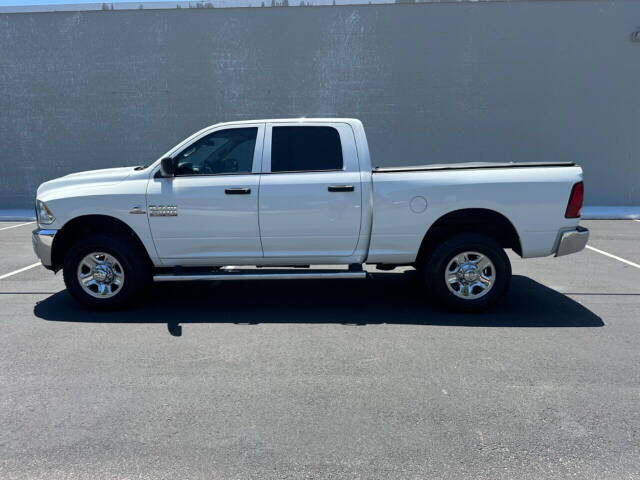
(327, 379)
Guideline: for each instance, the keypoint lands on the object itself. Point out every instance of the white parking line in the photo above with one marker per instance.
(610, 255)
(19, 270)
(16, 226)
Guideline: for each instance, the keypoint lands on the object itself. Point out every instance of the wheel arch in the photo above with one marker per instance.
(77, 227)
(470, 220)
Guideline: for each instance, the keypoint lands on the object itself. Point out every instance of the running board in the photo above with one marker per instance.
(258, 275)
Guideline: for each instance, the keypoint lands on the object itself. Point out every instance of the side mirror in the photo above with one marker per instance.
(167, 167)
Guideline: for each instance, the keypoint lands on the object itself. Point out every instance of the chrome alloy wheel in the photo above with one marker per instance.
(470, 275)
(100, 275)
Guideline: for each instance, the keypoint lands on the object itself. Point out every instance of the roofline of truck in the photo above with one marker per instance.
(287, 120)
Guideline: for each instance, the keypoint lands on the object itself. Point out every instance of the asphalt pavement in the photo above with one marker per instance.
(326, 379)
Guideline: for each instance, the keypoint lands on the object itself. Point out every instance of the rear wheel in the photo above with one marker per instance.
(468, 272)
(104, 272)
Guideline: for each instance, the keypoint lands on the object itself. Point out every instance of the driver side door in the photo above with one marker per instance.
(207, 214)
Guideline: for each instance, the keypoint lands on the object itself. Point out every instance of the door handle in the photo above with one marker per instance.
(237, 191)
(340, 188)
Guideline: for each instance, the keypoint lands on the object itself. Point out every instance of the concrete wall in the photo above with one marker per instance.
(433, 83)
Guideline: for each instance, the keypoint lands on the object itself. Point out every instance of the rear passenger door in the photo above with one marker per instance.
(310, 198)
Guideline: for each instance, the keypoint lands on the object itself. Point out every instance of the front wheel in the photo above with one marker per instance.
(468, 272)
(104, 272)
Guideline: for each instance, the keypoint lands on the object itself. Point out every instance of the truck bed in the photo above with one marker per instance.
(470, 165)
(532, 196)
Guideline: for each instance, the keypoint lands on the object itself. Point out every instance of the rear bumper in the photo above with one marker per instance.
(572, 241)
(42, 240)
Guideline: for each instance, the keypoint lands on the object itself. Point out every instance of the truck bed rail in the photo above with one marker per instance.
(470, 165)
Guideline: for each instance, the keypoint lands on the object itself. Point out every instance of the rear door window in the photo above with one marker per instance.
(309, 148)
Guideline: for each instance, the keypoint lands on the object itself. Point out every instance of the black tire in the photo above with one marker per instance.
(134, 264)
(435, 265)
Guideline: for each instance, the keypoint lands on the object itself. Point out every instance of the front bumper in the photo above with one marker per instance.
(572, 241)
(42, 240)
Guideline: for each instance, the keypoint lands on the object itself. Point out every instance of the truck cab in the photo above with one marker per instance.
(268, 192)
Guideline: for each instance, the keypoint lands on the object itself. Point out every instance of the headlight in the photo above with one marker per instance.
(45, 217)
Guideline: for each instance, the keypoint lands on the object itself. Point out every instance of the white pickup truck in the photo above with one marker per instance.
(289, 195)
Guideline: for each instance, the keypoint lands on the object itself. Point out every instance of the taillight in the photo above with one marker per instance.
(575, 201)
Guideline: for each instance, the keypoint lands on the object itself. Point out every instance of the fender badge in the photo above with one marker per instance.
(137, 210)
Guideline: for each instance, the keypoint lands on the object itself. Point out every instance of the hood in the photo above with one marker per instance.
(105, 176)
